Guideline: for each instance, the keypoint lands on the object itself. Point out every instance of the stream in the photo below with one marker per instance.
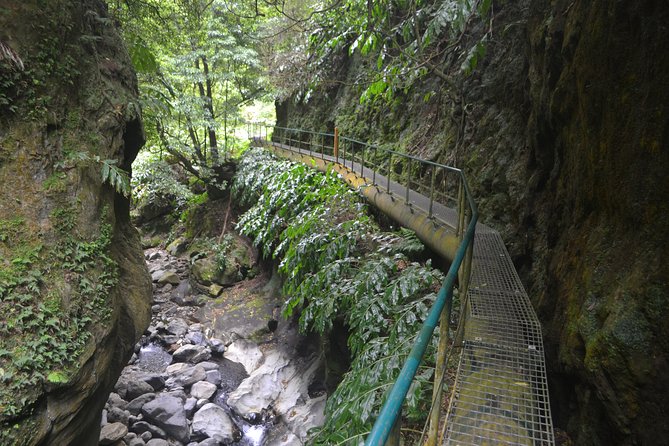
(208, 371)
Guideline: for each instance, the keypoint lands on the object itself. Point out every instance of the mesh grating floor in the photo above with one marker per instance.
(501, 393)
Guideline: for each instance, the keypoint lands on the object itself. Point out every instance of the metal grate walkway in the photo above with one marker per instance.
(501, 392)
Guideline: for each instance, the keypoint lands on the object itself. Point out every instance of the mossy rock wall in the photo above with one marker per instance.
(74, 289)
(562, 132)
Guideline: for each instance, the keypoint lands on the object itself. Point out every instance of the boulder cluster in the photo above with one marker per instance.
(186, 386)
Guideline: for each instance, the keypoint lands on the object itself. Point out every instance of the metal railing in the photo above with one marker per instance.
(393, 172)
(428, 187)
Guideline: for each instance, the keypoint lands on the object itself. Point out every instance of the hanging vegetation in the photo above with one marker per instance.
(338, 264)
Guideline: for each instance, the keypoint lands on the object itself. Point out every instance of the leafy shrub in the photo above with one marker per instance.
(338, 264)
(155, 182)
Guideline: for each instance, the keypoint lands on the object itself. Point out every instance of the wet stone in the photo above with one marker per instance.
(167, 412)
(135, 406)
(136, 387)
(191, 353)
(112, 432)
(203, 390)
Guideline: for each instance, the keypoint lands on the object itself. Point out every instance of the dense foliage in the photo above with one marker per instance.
(41, 335)
(197, 66)
(338, 264)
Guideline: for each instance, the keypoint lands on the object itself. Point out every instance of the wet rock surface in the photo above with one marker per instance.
(209, 371)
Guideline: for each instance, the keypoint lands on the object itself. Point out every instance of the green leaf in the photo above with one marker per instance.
(57, 377)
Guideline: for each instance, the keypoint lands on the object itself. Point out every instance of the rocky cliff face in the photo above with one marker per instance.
(562, 131)
(74, 288)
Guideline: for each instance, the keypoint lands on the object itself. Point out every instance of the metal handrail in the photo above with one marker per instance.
(461, 265)
(434, 183)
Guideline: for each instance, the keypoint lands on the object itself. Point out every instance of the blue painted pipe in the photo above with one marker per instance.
(393, 405)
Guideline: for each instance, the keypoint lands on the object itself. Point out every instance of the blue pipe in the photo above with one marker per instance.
(393, 405)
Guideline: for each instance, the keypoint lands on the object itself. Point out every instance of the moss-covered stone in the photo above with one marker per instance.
(73, 281)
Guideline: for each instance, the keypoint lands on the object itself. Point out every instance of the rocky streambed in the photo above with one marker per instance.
(215, 370)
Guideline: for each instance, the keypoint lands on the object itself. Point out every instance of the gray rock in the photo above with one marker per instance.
(112, 432)
(115, 400)
(169, 339)
(214, 377)
(182, 290)
(179, 393)
(167, 288)
(157, 382)
(157, 274)
(167, 412)
(246, 353)
(206, 365)
(217, 346)
(169, 277)
(178, 367)
(209, 442)
(135, 406)
(135, 442)
(186, 377)
(155, 256)
(178, 246)
(282, 384)
(177, 327)
(103, 419)
(129, 436)
(191, 353)
(203, 390)
(132, 419)
(211, 421)
(157, 442)
(136, 387)
(201, 403)
(121, 387)
(196, 337)
(189, 406)
(116, 415)
(147, 431)
(155, 308)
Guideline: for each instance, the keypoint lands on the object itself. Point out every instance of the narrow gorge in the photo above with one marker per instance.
(263, 303)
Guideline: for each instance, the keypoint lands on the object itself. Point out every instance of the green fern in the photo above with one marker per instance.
(116, 177)
(338, 265)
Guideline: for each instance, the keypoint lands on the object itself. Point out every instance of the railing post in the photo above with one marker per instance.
(432, 183)
(390, 165)
(408, 180)
(362, 162)
(439, 371)
(344, 154)
(374, 169)
(336, 144)
(460, 229)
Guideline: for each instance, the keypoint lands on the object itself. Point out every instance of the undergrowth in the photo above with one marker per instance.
(50, 298)
(338, 264)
